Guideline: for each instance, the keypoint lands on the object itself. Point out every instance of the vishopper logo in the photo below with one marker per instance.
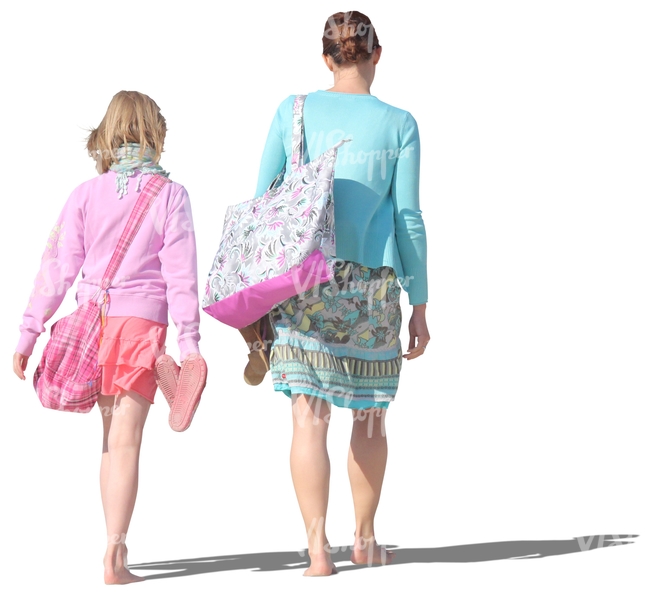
(337, 285)
(52, 280)
(319, 410)
(116, 538)
(101, 154)
(165, 224)
(118, 407)
(157, 338)
(360, 29)
(257, 346)
(54, 398)
(373, 157)
(602, 541)
(363, 544)
(156, 342)
(381, 159)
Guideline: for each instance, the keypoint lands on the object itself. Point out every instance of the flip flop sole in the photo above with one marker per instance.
(191, 383)
(166, 372)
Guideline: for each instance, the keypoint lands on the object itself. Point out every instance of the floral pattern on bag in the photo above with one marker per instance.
(267, 236)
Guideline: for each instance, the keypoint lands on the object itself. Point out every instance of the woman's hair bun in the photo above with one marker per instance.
(349, 37)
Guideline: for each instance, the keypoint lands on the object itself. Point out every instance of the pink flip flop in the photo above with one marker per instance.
(166, 372)
(191, 382)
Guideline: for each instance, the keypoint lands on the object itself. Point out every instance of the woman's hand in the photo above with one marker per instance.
(418, 332)
(20, 364)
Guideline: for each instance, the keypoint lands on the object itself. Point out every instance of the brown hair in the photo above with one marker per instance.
(131, 117)
(349, 37)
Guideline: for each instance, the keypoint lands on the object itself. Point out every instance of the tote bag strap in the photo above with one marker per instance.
(297, 141)
(139, 212)
(298, 133)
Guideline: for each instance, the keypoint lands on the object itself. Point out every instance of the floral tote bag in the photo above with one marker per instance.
(278, 245)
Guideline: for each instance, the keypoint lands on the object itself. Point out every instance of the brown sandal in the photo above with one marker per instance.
(258, 337)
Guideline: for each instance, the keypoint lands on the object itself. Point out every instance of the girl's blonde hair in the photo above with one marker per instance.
(131, 117)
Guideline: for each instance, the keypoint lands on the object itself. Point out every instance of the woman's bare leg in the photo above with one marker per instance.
(366, 467)
(120, 481)
(310, 471)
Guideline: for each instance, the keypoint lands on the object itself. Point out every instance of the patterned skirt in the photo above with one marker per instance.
(339, 341)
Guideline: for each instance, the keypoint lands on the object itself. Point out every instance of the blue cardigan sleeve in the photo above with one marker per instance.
(409, 226)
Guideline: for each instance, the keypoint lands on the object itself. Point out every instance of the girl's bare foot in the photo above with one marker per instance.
(366, 551)
(320, 565)
(116, 570)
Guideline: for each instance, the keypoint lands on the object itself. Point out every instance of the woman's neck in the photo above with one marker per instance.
(353, 80)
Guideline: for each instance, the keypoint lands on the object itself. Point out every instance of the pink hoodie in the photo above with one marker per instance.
(158, 271)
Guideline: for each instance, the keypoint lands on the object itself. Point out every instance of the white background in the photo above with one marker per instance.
(525, 424)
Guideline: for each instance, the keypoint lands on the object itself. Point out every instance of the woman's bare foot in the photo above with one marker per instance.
(320, 565)
(116, 570)
(121, 576)
(366, 551)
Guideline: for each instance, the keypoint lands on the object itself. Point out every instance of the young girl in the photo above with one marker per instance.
(157, 274)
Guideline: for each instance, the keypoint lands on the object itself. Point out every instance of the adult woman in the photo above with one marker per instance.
(340, 343)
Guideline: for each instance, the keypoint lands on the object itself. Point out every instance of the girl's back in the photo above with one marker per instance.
(135, 282)
(159, 268)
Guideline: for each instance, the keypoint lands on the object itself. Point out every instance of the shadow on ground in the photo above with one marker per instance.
(467, 553)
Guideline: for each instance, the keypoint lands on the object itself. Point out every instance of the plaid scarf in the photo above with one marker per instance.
(129, 161)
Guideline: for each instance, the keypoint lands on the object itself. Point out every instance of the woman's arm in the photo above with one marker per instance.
(411, 235)
(409, 226)
(418, 332)
(274, 157)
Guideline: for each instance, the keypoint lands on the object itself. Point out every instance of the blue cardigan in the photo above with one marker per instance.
(377, 213)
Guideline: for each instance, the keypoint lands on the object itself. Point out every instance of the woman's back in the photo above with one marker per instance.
(376, 189)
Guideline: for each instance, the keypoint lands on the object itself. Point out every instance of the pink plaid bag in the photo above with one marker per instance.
(68, 378)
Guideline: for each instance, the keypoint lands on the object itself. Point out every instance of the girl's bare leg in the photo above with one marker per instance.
(105, 405)
(119, 480)
(310, 471)
(366, 467)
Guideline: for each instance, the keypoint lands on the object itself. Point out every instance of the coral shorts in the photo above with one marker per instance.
(128, 351)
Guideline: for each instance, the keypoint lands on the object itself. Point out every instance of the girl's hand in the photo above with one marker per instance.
(20, 364)
(418, 331)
